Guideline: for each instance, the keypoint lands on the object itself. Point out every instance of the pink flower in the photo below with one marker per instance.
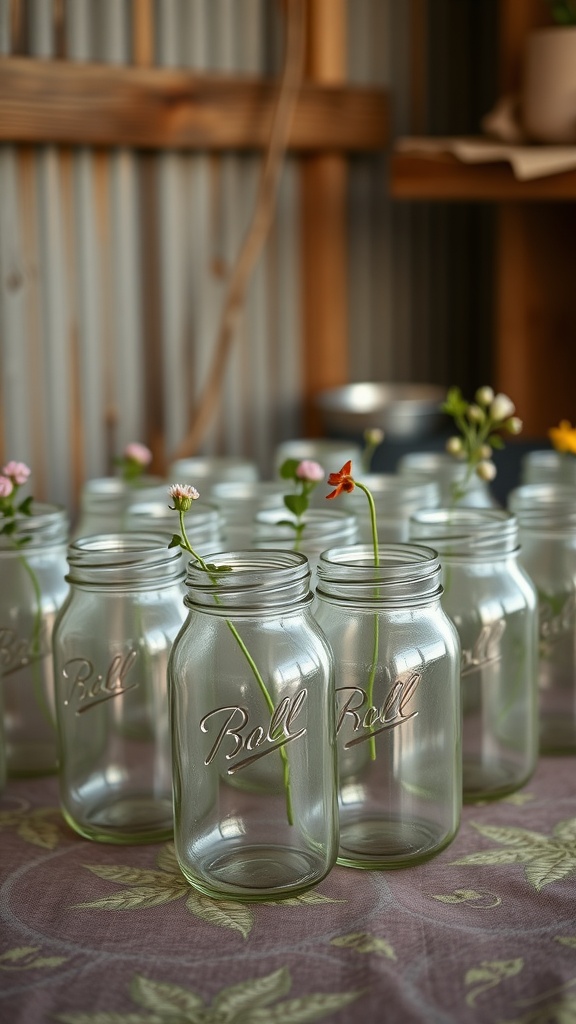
(183, 495)
(309, 470)
(139, 453)
(6, 487)
(17, 471)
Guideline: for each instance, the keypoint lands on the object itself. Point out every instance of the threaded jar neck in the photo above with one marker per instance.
(545, 508)
(46, 525)
(124, 561)
(250, 581)
(408, 574)
(466, 533)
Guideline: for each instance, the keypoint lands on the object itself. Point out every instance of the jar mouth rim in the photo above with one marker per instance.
(248, 565)
(257, 578)
(46, 523)
(119, 559)
(466, 532)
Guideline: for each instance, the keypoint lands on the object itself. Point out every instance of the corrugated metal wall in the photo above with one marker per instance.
(113, 264)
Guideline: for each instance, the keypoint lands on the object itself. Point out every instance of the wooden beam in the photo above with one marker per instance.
(324, 240)
(105, 105)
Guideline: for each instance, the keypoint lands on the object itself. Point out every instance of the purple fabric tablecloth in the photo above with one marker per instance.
(485, 932)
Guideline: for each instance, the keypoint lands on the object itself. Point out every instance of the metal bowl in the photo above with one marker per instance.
(401, 410)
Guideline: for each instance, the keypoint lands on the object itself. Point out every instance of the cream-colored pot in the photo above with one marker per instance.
(549, 87)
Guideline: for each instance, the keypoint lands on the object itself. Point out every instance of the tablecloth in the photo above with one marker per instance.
(484, 932)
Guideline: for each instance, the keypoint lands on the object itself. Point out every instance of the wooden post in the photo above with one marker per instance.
(535, 297)
(324, 247)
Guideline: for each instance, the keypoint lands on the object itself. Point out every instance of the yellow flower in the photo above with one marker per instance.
(563, 437)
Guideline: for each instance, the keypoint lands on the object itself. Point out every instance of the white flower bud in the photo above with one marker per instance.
(454, 445)
(476, 414)
(502, 407)
(514, 425)
(484, 395)
(486, 451)
(486, 470)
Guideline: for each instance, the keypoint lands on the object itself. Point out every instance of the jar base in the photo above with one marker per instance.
(481, 782)
(258, 873)
(383, 842)
(125, 821)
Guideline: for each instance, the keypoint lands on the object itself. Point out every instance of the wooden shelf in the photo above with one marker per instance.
(71, 103)
(442, 176)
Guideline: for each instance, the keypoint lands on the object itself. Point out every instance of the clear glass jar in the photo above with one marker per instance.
(204, 523)
(492, 603)
(252, 707)
(322, 528)
(203, 471)
(104, 503)
(33, 590)
(449, 474)
(547, 529)
(112, 640)
(396, 657)
(396, 497)
(545, 466)
(240, 501)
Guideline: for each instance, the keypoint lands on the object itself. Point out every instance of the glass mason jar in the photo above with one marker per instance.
(546, 466)
(251, 696)
(492, 603)
(104, 503)
(396, 497)
(322, 528)
(240, 500)
(203, 471)
(449, 474)
(32, 570)
(547, 529)
(204, 523)
(112, 639)
(396, 657)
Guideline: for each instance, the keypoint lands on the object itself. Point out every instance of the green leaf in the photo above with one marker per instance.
(215, 569)
(288, 469)
(167, 860)
(48, 961)
(454, 404)
(8, 528)
(508, 836)
(25, 507)
(566, 940)
(551, 867)
(300, 1011)
(137, 898)
(130, 876)
(490, 974)
(176, 541)
(162, 997)
(18, 953)
(296, 503)
(310, 898)
(39, 832)
(108, 1018)
(223, 913)
(231, 1002)
(487, 857)
(363, 942)
(566, 830)
(459, 896)
(286, 522)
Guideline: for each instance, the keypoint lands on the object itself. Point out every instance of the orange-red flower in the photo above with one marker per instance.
(342, 481)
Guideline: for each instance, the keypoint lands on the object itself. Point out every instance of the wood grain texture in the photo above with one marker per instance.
(105, 105)
(444, 177)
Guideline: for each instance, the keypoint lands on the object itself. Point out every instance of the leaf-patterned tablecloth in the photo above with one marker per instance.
(485, 932)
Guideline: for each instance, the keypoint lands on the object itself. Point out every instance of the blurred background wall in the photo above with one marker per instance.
(113, 263)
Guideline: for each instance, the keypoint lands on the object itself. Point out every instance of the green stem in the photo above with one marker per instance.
(251, 662)
(375, 649)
